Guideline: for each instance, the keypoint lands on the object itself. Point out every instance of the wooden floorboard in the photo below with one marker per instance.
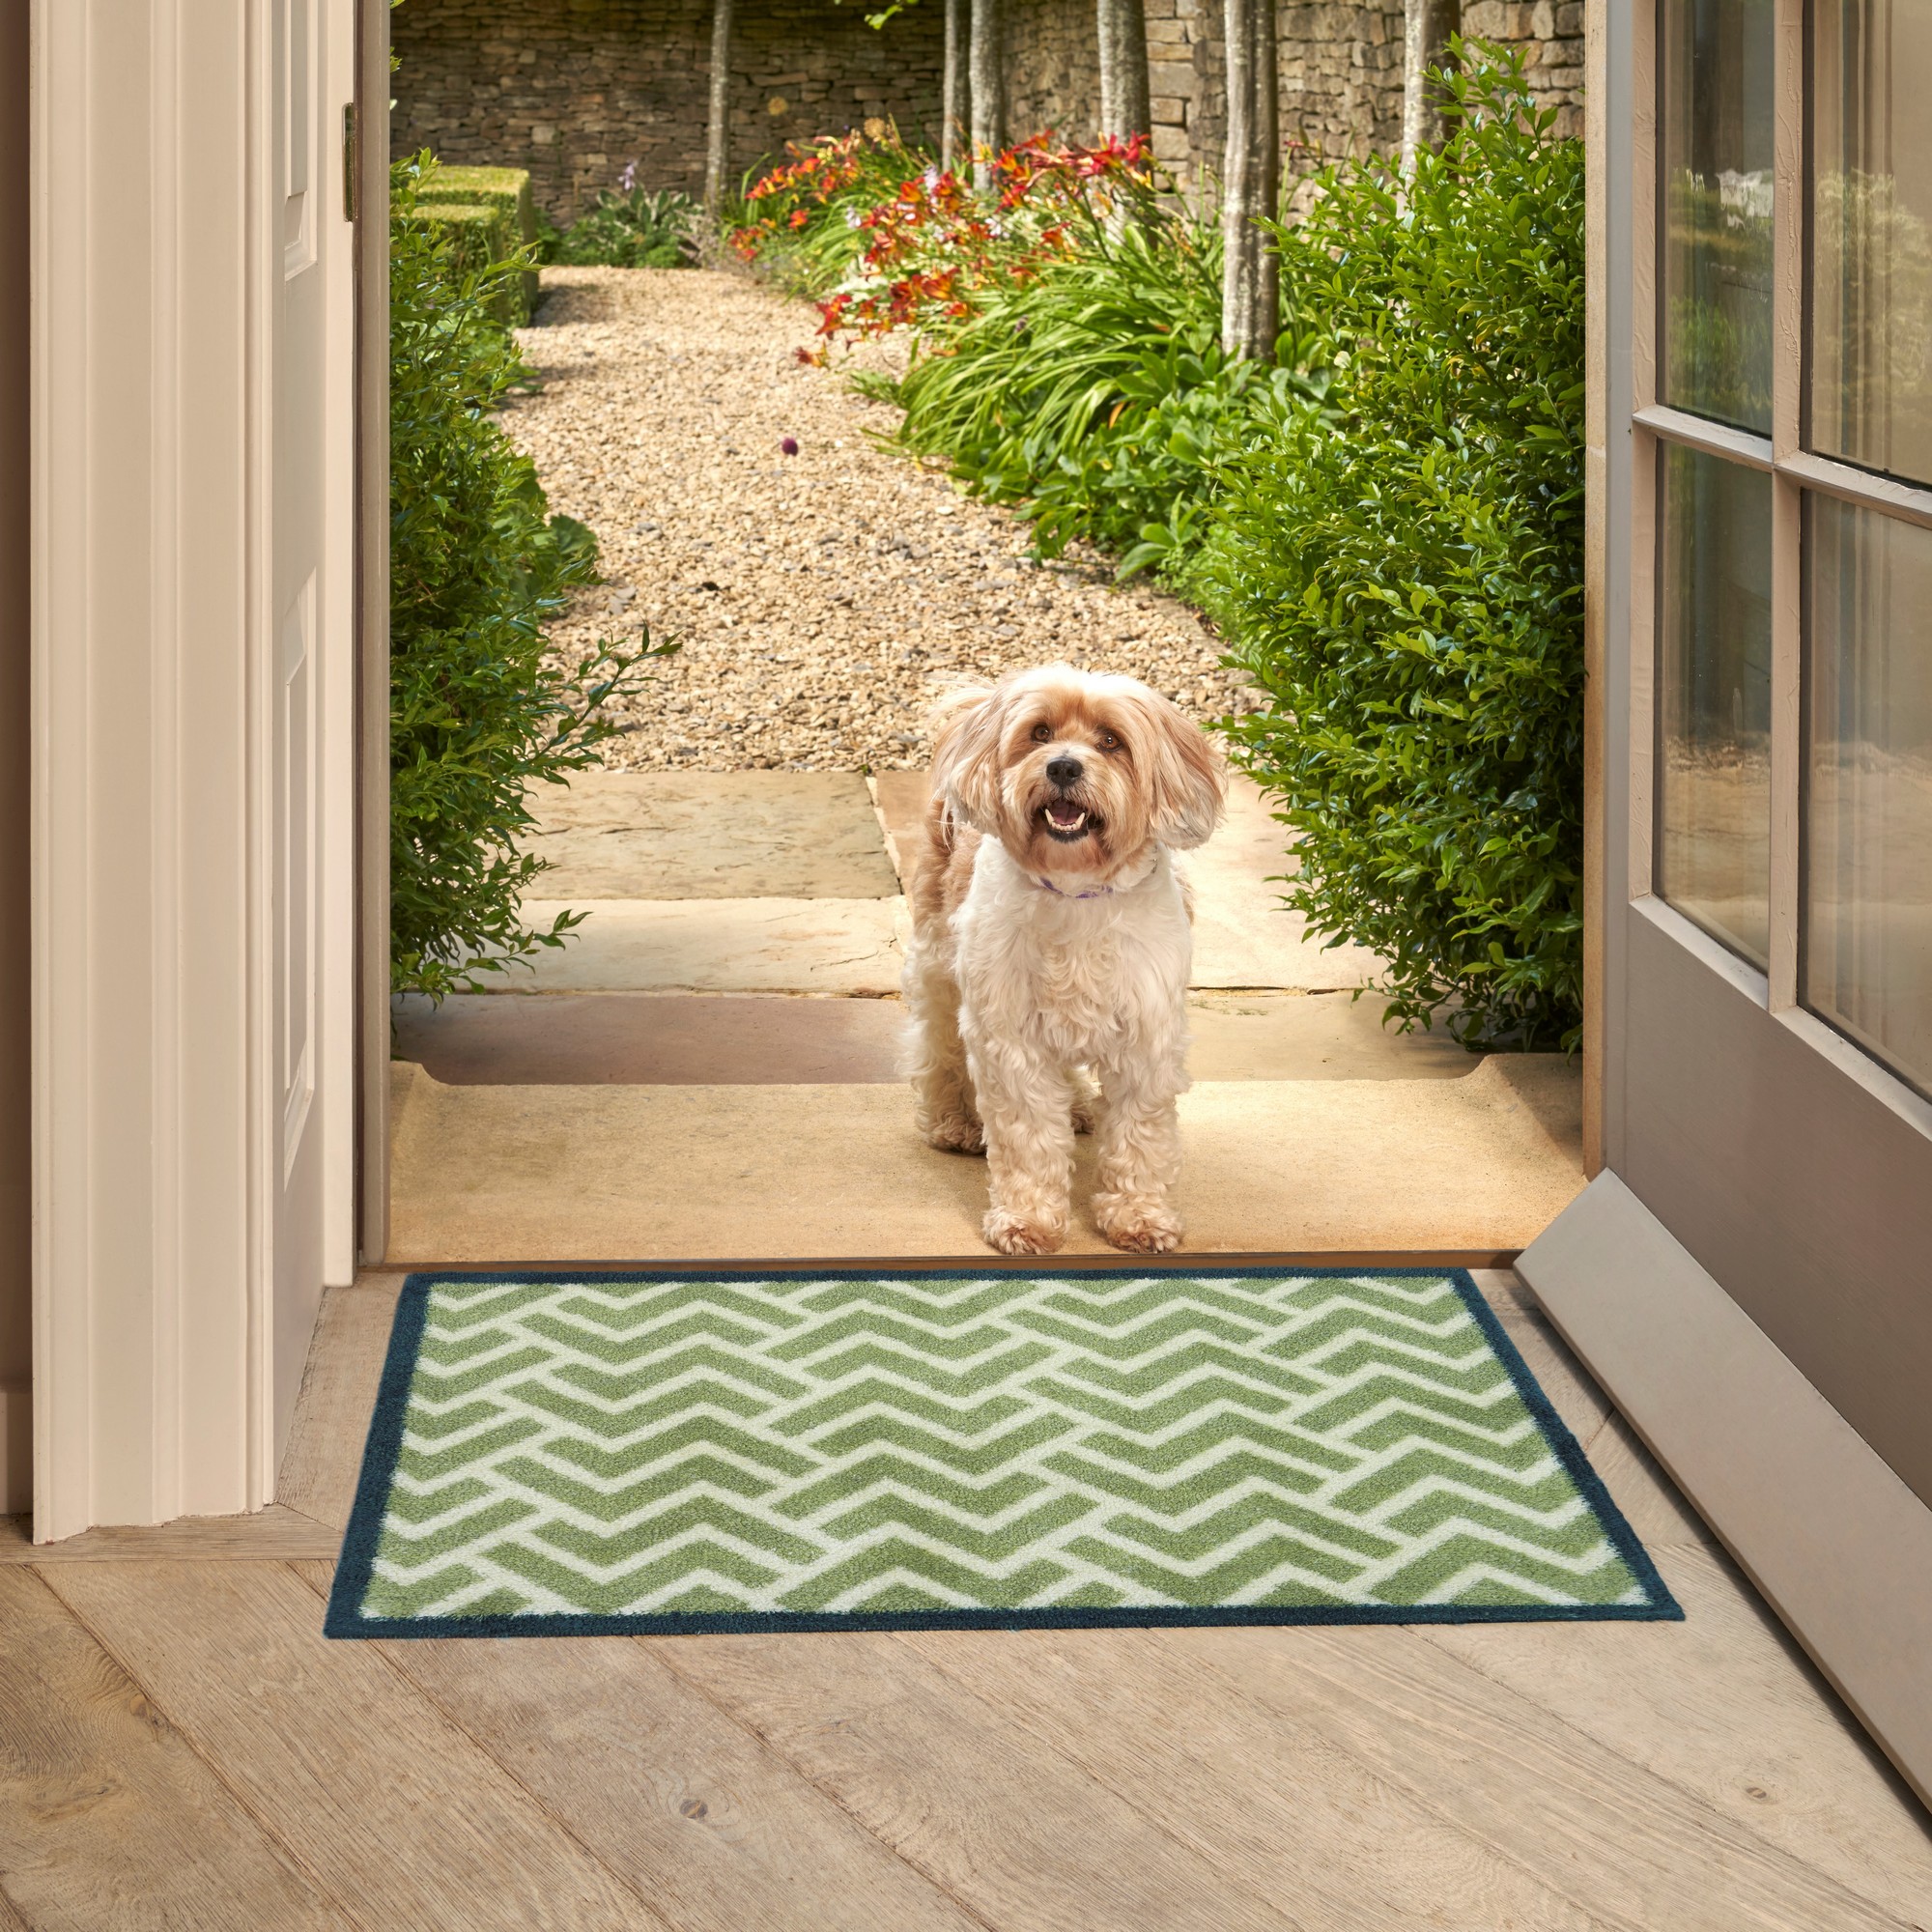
(988, 1810)
(1730, 1713)
(275, 1534)
(1651, 1502)
(393, 1808)
(108, 1817)
(181, 1748)
(1642, 1853)
(667, 1789)
(1263, 1797)
(338, 1392)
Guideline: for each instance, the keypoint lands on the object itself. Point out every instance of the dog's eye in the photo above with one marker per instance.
(1042, 734)
(1110, 742)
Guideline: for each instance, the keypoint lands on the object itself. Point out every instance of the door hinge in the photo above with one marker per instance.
(349, 167)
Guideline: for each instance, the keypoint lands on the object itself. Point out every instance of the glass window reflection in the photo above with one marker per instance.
(1867, 953)
(1871, 235)
(1713, 849)
(1717, 138)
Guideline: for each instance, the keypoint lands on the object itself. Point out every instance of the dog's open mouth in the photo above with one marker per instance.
(1066, 820)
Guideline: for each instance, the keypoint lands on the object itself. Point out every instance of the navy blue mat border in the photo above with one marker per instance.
(356, 1566)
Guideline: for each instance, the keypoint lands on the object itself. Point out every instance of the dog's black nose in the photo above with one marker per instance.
(1064, 771)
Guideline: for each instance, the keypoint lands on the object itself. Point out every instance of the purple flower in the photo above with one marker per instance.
(788, 445)
(628, 180)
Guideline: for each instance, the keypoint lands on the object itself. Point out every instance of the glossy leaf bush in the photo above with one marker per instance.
(478, 713)
(1402, 573)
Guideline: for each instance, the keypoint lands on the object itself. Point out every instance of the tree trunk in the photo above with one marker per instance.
(1250, 184)
(1107, 14)
(1126, 105)
(1426, 28)
(954, 110)
(1265, 322)
(987, 62)
(718, 128)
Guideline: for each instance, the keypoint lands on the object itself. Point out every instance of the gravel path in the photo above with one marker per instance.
(821, 599)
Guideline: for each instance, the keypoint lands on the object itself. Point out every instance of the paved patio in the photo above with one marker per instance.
(710, 1067)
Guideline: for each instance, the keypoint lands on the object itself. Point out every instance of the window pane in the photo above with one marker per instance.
(1714, 699)
(1871, 234)
(1717, 116)
(1868, 771)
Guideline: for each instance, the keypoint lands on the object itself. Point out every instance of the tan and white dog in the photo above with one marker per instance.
(1051, 942)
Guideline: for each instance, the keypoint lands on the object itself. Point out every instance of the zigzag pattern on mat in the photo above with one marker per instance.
(936, 1443)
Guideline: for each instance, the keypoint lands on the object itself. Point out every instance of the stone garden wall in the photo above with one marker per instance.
(573, 90)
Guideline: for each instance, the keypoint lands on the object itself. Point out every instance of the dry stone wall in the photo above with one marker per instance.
(573, 90)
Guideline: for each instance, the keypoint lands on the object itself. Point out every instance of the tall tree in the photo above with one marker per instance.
(987, 62)
(1250, 184)
(718, 128)
(954, 110)
(1126, 105)
(1426, 29)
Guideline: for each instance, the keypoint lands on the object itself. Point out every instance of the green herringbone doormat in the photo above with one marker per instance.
(555, 1453)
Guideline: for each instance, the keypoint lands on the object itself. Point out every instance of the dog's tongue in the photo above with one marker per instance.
(1066, 816)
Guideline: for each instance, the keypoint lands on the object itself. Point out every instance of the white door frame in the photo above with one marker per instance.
(156, 257)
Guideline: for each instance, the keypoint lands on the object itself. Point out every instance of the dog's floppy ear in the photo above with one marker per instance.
(1186, 775)
(966, 726)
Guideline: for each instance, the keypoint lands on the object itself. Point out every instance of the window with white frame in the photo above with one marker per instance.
(1785, 391)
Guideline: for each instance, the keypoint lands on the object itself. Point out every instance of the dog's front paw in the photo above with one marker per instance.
(1140, 1226)
(956, 1133)
(1012, 1235)
(1086, 1115)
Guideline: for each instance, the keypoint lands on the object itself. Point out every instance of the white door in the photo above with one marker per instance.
(309, 690)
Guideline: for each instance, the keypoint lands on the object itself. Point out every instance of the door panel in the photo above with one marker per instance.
(1769, 1003)
(1808, 1198)
(308, 654)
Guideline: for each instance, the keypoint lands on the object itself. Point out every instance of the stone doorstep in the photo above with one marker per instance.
(493, 1174)
(713, 835)
(589, 1040)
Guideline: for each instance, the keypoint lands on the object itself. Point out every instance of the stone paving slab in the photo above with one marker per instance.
(713, 835)
(493, 1174)
(1243, 934)
(852, 948)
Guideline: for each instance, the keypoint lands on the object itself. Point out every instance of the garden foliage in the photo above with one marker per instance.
(1402, 574)
(1096, 395)
(487, 215)
(1386, 521)
(478, 565)
(1068, 354)
(626, 227)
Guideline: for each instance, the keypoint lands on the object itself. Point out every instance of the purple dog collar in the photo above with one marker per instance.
(1098, 893)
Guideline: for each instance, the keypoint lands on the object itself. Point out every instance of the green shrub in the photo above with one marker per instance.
(1095, 395)
(1403, 573)
(507, 189)
(478, 565)
(628, 228)
(489, 216)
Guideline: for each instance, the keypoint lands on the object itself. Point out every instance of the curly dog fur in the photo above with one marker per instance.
(1051, 947)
